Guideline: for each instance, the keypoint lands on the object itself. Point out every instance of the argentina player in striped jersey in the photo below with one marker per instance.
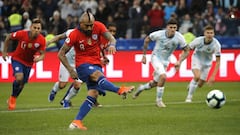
(204, 48)
(166, 42)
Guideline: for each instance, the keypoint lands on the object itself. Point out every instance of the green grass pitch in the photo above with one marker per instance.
(34, 115)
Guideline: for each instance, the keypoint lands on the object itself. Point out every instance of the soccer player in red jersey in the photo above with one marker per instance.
(86, 41)
(31, 48)
(112, 28)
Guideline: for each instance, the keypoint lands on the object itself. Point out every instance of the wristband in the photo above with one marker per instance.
(112, 44)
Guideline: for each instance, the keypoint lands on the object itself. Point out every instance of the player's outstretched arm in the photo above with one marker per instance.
(183, 56)
(112, 42)
(5, 47)
(147, 40)
(62, 57)
(56, 38)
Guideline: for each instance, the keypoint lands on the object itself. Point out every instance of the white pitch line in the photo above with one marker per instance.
(129, 105)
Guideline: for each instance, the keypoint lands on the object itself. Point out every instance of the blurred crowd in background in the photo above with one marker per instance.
(133, 18)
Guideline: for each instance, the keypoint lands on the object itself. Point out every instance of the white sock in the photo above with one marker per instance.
(72, 93)
(56, 87)
(192, 88)
(160, 91)
(145, 87)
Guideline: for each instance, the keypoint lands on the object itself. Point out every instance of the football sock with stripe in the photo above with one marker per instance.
(85, 107)
(106, 85)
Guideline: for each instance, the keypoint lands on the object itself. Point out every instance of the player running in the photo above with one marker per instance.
(204, 47)
(29, 44)
(166, 42)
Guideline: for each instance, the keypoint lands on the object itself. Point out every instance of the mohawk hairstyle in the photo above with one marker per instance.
(88, 13)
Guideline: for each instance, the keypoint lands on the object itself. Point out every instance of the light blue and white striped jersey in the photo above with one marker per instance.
(165, 46)
(204, 52)
(71, 53)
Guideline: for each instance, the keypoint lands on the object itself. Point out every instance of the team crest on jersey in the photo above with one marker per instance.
(209, 50)
(67, 40)
(29, 45)
(36, 45)
(94, 36)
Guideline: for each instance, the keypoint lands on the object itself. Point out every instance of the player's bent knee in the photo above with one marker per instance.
(62, 85)
(93, 93)
(77, 85)
(95, 76)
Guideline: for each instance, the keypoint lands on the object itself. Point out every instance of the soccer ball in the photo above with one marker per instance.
(215, 99)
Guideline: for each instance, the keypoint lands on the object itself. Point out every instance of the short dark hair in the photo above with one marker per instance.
(36, 20)
(111, 25)
(172, 21)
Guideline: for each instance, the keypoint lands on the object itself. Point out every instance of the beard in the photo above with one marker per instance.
(87, 33)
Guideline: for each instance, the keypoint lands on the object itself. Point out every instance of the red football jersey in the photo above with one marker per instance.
(27, 48)
(87, 48)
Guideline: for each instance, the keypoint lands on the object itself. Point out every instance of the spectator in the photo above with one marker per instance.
(48, 7)
(27, 7)
(57, 23)
(77, 10)
(15, 20)
(135, 18)
(227, 4)
(209, 11)
(145, 29)
(66, 8)
(120, 17)
(169, 9)
(156, 17)
(185, 24)
(220, 28)
(146, 6)
(26, 22)
(70, 22)
(89, 4)
(198, 24)
(181, 9)
(3, 32)
(197, 6)
(102, 12)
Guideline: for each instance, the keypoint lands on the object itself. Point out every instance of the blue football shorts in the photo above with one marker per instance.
(21, 68)
(84, 71)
